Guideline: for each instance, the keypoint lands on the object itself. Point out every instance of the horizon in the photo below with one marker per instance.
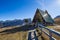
(21, 9)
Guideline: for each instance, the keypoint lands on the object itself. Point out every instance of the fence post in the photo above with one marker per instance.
(40, 29)
(50, 34)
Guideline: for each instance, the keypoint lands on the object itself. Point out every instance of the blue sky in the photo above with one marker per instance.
(20, 9)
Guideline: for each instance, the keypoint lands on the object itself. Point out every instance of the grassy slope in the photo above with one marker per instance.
(14, 36)
(57, 29)
(13, 33)
(45, 37)
(19, 35)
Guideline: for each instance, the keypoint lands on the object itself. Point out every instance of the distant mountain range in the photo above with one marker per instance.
(11, 23)
(8, 23)
(57, 20)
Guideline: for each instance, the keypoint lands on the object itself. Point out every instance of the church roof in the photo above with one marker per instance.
(45, 16)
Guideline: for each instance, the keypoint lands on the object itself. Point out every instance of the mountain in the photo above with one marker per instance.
(57, 20)
(8, 23)
(15, 22)
(57, 17)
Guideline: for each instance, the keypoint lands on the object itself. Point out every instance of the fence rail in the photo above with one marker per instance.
(50, 31)
(32, 35)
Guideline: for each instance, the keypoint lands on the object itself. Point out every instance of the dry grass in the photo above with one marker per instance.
(7, 28)
(14, 36)
(22, 35)
(57, 28)
(14, 33)
(42, 36)
(45, 37)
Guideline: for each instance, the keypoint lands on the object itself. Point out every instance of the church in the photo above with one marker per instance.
(43, 17)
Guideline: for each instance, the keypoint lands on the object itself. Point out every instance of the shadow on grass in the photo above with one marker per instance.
(18, 29)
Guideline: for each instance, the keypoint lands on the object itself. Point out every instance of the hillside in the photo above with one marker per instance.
(14, 36)
(15, 33)
(57, 20)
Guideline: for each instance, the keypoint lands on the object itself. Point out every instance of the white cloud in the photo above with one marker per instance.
(54, 8)
(58, 2)
(41, 3)
(55, 3)
(52, 4)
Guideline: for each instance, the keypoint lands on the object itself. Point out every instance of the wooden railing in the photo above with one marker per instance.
(41, 27)
(32, 36)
